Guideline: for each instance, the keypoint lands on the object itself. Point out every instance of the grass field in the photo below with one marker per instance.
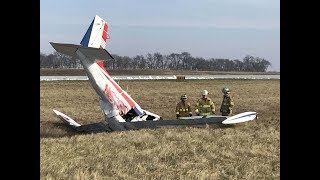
(249, 150)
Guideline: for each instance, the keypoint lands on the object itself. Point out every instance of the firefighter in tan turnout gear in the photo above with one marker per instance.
(227, 103)
(183, 108)
(205, 105)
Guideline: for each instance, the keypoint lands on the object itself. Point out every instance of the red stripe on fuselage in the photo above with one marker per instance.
(118, 88)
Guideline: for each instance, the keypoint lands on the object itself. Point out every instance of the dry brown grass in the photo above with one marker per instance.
(249, 150)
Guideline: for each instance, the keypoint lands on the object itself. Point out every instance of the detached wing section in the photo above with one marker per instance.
(96, 54)
(94, 127)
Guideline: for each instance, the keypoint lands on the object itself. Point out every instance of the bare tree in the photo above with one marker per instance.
(173, 61)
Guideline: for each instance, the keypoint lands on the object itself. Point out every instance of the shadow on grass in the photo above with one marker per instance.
(58, 129)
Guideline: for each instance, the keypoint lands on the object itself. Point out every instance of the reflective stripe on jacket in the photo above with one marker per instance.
(205, 107)
(183, 109)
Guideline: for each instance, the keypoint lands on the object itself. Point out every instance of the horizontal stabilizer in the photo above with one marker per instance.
(67, 49)
(89, 52)
(239, 118)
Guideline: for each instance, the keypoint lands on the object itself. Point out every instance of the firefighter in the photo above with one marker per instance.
(183, 108)
(204, 105)
(227, 103)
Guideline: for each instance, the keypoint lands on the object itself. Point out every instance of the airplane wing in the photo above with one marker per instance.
(197, 121)
(94, 127)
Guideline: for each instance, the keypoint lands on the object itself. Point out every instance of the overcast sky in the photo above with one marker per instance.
(229, 29)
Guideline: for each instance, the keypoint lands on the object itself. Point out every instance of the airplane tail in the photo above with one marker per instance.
(96, 37)
(92, 43)
(97, 34)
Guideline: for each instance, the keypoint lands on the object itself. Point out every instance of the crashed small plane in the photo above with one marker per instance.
(120, 110)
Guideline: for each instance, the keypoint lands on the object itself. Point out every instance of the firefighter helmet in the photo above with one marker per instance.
(225, 90)
(184, 96)
(204, 92)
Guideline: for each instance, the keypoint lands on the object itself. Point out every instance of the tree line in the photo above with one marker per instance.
(157, 61)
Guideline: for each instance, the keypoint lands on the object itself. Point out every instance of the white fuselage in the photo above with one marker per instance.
(113, 100)
(99, 82)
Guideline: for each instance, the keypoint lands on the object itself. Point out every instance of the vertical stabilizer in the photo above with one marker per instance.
(97, 34)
